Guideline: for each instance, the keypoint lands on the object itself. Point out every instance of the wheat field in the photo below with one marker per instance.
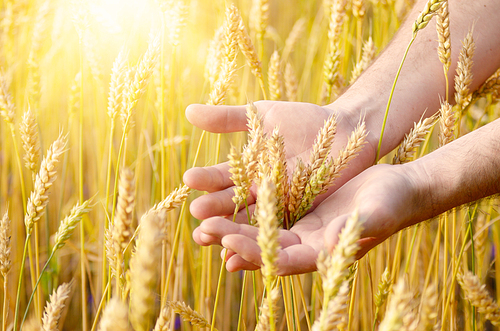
(94, 144)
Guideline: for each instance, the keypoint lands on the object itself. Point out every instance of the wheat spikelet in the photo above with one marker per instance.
(163, 321)
(463, 78)
(398, 308)
(31, 141)
(264, 316)
(430, 9)
(275, 77)
(176, 20)
(333, 317)
(268, 237)
(446, 124)
(333, 268)
(291, 83)
(54, 309)
(7, 108)
(413, 139)
(322, 144)
(114, 317)
(479, 297)
(122, 223)
(490, 86)
(44, 179)
(214, 56)
(248, 49)
(189, 315)
(369, 52)
(5, 247)
(354, 145)
(135, 90)
(293, 37)
(144, 273)
(256, 142)
(443, 32)
(69, 223)
(278, 169)
(429, 311)
(117, 84)
(297, 187)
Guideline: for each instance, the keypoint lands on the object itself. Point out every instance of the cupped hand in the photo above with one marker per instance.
(388, 198)
(299, 124)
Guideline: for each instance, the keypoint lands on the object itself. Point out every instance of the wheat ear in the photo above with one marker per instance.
(336, 311)
(322, 144)
(163, 321)
(278, 169)
(369, 52)
(53, 310)
(430, 9)
(407, 149)
(7, 107)
(490, 86)
(117, 84)
(398, 309)
(31, 141)
(479, 297)
(428, 313)
(144, 273)
(446, 124)
(275, 77)
(122, 224)
(114, 317)
(256, 142)
(214, 56)
(189, 315)
(248, 49)
(463, 78)
(293, 37)
(297, 187)
(265, 313)
(176, 20)
(443, 32)
(291, 83)
(5, 246)
(69, 223)
(44, 179)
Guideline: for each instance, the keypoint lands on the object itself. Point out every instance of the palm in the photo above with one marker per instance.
(299, 124)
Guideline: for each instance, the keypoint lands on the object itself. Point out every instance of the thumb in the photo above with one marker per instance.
(217, 119)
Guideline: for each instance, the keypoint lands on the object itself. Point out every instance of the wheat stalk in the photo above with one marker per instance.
(53, 310)
(44, 179)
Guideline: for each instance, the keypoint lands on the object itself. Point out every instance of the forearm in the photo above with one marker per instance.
(421, 84)
(461, 172)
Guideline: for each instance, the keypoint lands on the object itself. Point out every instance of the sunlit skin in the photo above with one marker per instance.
(389, 198)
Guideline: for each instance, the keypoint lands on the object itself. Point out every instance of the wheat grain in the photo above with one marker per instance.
(31, 142)
(413, 139)
(5, 246)
(114, 317)
(479, 297)
(44, 179)
(463, 78)
(53, 310)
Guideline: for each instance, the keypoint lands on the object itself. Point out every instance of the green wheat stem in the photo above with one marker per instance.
(20, 281)
(390, 97)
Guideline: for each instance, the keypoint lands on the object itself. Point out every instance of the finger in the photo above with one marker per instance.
(204, 239)
(220, 227)
(215, 204)
(237, 263)
(211, 179)
(218, 119)
(244, 246)
(296, 259)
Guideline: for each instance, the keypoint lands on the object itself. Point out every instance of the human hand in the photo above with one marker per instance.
(388, 198)
(299, 124)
